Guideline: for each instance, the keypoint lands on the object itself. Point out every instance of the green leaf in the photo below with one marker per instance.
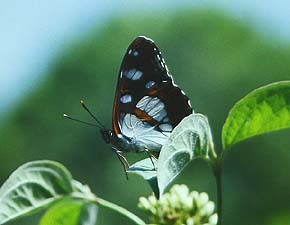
(264, 110)
(32, 187)
(71, 212)
(145, 169)
(190, 139)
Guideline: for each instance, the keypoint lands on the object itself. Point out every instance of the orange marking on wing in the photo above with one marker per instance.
(124, 90)
(153, 92)
(145, 117)
(115, 118)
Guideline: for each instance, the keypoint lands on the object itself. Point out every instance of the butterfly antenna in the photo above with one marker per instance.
(80, 121)
(92, 115)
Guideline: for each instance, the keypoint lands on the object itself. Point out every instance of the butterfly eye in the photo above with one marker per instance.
(150, 84)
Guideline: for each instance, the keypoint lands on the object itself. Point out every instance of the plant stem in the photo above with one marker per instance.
(109, 205)
(218, 177)
(120, 210)
(217, 166)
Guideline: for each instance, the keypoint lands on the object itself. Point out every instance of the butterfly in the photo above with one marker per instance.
(148, 104)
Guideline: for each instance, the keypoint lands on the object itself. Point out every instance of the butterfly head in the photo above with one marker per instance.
(107, 135)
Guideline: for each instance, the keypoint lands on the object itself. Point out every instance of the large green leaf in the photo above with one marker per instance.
(31, 187)
(190, 139)
(264, 110)
(145, 169)
(71, 212)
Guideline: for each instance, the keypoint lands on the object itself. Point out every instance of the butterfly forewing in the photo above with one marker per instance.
(148, 105)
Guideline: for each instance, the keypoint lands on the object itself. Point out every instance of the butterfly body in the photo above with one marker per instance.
(148, 104)
(122, 143)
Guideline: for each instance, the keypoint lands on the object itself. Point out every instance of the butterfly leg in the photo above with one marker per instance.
(151, 156)
(123, 160)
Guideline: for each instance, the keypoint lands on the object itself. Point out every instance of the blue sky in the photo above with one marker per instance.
(34, 32)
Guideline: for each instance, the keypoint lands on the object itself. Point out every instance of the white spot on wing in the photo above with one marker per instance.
(152, 103)
(129, 73)
(133, 74)
(142, 103)
(166, 127)
(150, 84)
(126, 99)
(137, 75)
(135, 53)
(166, 119)
(142, 132)
(153, 106)
(158, 111)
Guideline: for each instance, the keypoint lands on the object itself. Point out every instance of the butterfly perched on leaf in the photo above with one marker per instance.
(148, 104)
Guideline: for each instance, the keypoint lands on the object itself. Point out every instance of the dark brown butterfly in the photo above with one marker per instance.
(148, 104)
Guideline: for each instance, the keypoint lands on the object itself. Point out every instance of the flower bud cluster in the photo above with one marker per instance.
(179, 207)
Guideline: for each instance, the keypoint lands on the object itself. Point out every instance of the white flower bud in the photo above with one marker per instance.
(152, 200)
(207, 209)
(213, 219)
(190, 221)
(188, 202)
(144, 203)
(194, 195)
(181, 191)
(203, 198)
(178, 206)
(164, 199)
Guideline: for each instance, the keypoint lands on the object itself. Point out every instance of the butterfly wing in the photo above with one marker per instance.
(148, 104)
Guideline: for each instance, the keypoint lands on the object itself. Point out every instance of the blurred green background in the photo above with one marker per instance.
(213, 57)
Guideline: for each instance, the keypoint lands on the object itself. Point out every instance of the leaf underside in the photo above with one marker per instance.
(145, 169)
(31, 187)
(190, 139)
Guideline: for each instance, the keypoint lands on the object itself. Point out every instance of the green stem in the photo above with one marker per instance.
(217, 164)
(218, 177)
(109, 205)
(124, 212)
